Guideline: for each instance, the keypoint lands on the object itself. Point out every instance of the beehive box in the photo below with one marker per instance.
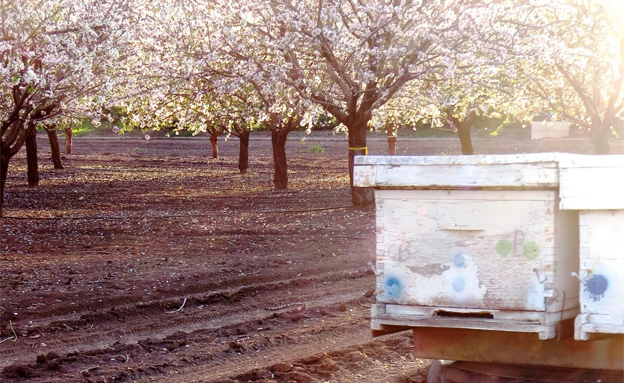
(472, 242)
(549, 129)
(594, 185)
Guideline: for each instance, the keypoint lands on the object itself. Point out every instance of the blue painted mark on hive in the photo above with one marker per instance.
(459, 284)
(459, 260)
(597, 285)
(393, 288)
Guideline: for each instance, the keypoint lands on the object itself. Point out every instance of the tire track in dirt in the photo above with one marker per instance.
(341, 349)
(336, 337)
(150, 321)
(199, 293)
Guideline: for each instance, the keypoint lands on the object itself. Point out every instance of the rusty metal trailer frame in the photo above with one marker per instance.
(518, 348)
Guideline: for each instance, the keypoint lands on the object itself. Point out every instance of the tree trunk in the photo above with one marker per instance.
(243, 153)
(463, 131)
(68, 140)
(31, 157)
(4, 168)
(280, 168)
(54, 147)
(214, 142)
(357, 146)
(392, 141)
(600, 138)
(7, 152)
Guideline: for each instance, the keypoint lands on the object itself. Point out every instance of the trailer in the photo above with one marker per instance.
(506, 264)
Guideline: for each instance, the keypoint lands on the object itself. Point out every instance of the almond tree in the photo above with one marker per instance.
(57, 57)
(570, 56)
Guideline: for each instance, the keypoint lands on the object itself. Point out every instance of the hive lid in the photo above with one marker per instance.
(592, 182)
(535, 170)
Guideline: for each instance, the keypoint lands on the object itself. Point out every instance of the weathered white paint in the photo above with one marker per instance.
(480, 239)
(496, 159)
(591, 182)
(530, 170)
(549, 129)
(602, 273)
(592, 188)
(441, 249)
(589, 161)
(585, 179)
(432, 238)
(415, 287)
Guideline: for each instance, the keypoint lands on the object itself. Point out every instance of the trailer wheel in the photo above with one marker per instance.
(466, 372)
(445, 372)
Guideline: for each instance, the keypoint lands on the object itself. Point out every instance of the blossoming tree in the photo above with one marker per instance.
(209, 57)
(58, 57)
(351, 57)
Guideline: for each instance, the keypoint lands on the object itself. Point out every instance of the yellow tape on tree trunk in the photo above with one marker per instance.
(365, 149)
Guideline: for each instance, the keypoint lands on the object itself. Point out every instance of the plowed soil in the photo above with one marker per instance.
(150, 261)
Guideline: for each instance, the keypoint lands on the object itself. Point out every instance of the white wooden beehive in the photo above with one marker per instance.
(472, 242)
(549, 129)
(594, 185)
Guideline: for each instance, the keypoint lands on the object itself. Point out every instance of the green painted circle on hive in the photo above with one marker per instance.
(531, 250)
(504, 247)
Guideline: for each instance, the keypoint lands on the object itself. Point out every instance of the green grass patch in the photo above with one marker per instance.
(83, 129)
(316, 148)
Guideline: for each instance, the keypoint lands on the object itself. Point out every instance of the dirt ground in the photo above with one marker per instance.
(149, 261)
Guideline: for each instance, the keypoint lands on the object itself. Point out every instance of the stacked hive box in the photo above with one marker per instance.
(549, 129)
(472, 242)
(594, 185)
